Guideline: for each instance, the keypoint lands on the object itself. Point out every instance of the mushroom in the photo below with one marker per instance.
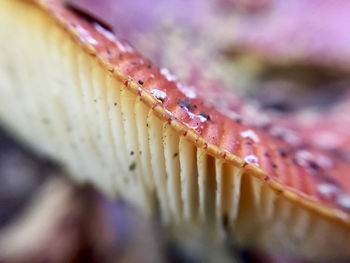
(76, 92)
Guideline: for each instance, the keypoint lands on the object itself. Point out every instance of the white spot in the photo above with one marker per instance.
(231, 114)
(85, 35)
(120, 46)
(286, 134)
(91, 40)
(187, 91)
(324, 161)
(158, 94)
(169, 113)
(344, 201)
(250, 134)
(170, 77)
(252, 159)
(303, 157)
(202, 118)
(193, 116)
(327, 190)
(108, 34)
